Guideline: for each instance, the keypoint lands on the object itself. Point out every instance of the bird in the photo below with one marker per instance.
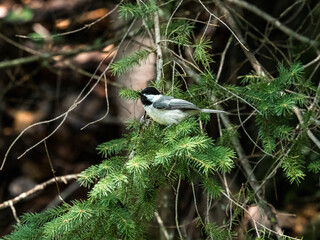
(168, 110)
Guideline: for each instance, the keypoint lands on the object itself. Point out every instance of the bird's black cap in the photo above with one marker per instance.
(150, 91)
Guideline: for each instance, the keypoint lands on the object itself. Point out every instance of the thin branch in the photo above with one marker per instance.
(313, 138)
(38, 188)
(107, 101)
(176, 208)
(248, 135)
(223, 55)
(255, 222)
(86, 26)
(14, 212)
(162, 227)
(197, 21)
(252, 59)
(195, 204)
(273, 21)
(44, 56)
(80, 98)
(53, 171)
(241, 43)
(313, 61)
(166, 32)
(158, 47)
(230, 208)
(145, 23)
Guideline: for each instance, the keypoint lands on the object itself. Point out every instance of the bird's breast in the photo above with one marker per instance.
(168, 117)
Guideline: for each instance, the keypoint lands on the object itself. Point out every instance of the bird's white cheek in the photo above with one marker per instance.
(152, 98)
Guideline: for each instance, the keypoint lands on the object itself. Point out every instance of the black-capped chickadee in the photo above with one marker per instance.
(167, 110)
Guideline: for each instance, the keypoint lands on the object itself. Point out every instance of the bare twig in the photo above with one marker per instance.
(53, 171)
(313, 61)
(255, 222)
(176, 208)
(241, 43)
(313, 138)
(230, 208)
(252, 59)
(273, 21)
(196, 204)
(86, 26)
(43, 56)
(38, 188)
(14, 212)
(162, 227)
(81, 97)
(158, 47)
(223, 55)
(166, 32)
(107, 101)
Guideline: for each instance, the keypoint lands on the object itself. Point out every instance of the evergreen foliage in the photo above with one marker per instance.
(201, 54)
(128, 10)
(129, 62)
(275, 100)
(122, 186)
(179, 32)
(125, 186)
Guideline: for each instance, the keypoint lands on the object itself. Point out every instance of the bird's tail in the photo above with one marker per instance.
(213, 111)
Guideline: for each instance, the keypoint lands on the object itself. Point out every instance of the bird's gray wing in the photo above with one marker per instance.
(167, 102)
(182, 104)
(163, 102)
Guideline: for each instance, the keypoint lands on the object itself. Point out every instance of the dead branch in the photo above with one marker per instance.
(38, 188)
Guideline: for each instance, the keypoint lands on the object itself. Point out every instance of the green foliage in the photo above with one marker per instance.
(179, 31)
(201, 54)
(271, 96)
(127, 63)
(275, 103)
(124, 190)
(216, 232)
(276, 99)
(293, 169)
(143, 9)
(129, 94)
(114, 146)
(20, 15)
(314, 166)
(125, 186)
(212, 187)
